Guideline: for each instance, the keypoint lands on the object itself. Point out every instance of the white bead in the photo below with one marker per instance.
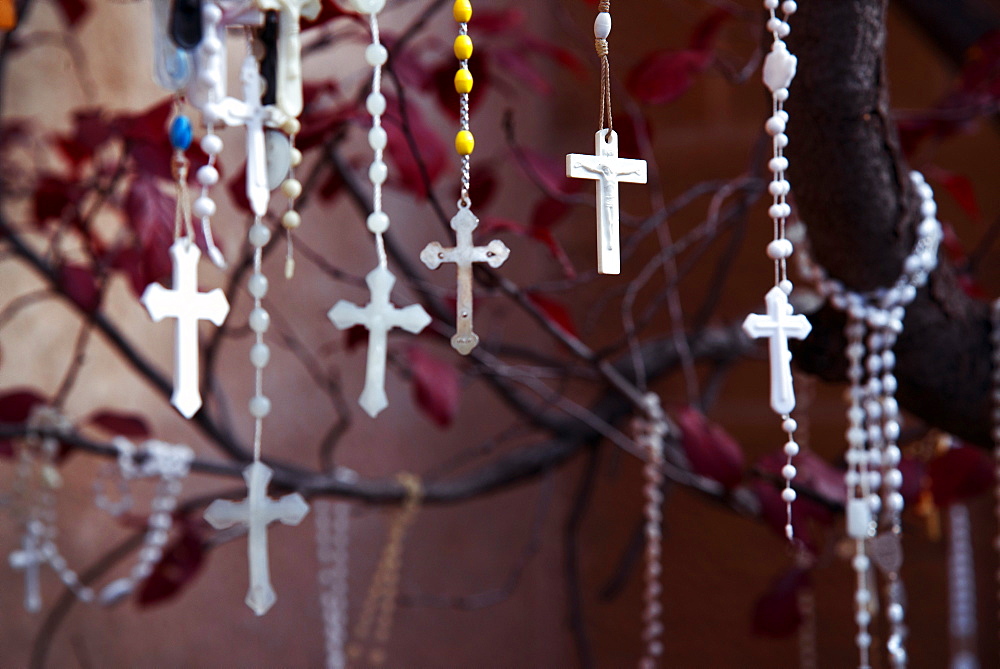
(296, 157)
(781, 140)
(892, 456)
(863, 640)
(783, 30)
(779, 187)
(259, 320)
(860, 563)
(203, 207)
(378, 222)
(852, 479)
(862, 617)
(889, 384)
(789, 6)
(602, 25)
(778, 164)
(894, 478)
(211, 144)
(788, 471)
(875, 502)
(259, 235)
(895, 501)
(259, 406)
(783, 114)
(895, 612)
(779, 249)
(291, 188)
(770, 4)
(788, 495)
(780, 210)
(257, 285)
(786, 286)
(260, 355)
(375, 103)
(377, 138)
(862, 597)
(891, 428)
(378, 172)
(376, 55)
(791, 449)
(774, 125)
(781, 94)
(772, 24)
(211, 13)
(789, 425)
(208, 175)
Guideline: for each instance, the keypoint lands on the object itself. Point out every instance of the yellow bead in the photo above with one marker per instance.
(463, 81)
(462, 11)
(463, 47)
(291, 126)
(292, 188)
(296, 157)
(465, 143)
(291, 219)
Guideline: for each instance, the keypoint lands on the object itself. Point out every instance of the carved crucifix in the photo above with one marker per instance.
(257, 511)
(289, 75)
(29, 558)
(463, 254)
(188, 306)
(779, 324)
(379, 316)
(608, 170)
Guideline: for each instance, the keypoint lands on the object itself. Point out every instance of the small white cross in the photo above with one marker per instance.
(463, 254)
(257, 511)
(288, 95)
(779, 324)
(188, 306)
(608, 169)
(29, 558)
(379, 316)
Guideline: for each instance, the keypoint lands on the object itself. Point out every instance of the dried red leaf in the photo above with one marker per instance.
(114, 422)
(434, 156)
(181, 562)
(73, 10)
(959, 474)
(710, 450)
(16, 406)
(548, 170)
(665, 75)
(961, 190)
(555, 312)
(328, 11)
(355, 336)
(435, 386)
(53, 195)
(776, 613)
(80, 285)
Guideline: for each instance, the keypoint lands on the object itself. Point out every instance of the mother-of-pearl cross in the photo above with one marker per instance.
(608, 169)
(188, 306)
(257, 511)
(779, 324)
(289, 75)
(463, 254)
(379, 316)
(29, 558)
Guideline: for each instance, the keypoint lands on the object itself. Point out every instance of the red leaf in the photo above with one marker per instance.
(776, 612)
(237, 188)
(355, 336)
(814, 473)
(549, 170)
(665, 75)
(705, 33)
(547, 212)
(126, 425)
(181, 562)
(555, 312)
(146, 124)
(961, 189)
(327, 12)
(73, 10)
(16, 406)
(80, 285)
(435, 386)
(710, 450)
(434, 156)
(443, 80)
(490, 21)
(959, 474)
(53, 194)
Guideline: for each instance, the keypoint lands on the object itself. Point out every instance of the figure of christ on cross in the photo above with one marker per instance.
(257, 511)
(463, 254)
(608, 170)
(779, 324)
(378, 316)
(188, 306)
(288, 95)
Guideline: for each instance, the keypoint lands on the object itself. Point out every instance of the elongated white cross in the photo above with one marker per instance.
(29, 558)
(257, 511)
(608, 169)
(779, 324)
(463, 254)
(188, 306)
(379, 316)
(288, 95)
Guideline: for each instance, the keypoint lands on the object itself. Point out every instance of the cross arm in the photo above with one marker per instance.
(159, 301)
(345, 314)
(223, 513)
(213, 306)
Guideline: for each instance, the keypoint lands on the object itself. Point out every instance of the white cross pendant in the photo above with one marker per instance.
(379, 316)
(288, 95)
(29, 558)
(257, 511)
(188, 306)
(608, 170)
(779, 324)
(463, 254)
(208, 85)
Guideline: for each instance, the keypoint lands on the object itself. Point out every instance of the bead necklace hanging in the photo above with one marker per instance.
(961, 583)
(464, 223)
(605, 167)
(779, 323)
(873, 478)
(995, 423)
(379, 315)
(651, 431)
(333, 538)
(258, 510)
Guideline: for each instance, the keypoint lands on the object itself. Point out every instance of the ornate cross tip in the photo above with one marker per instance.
(188, 306)
(778, 325)
(608, 170)
(378, 316)
(257, 511)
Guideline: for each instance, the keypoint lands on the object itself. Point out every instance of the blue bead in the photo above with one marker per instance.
(180, 133)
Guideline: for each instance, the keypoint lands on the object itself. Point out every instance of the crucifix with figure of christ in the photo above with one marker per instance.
(608, 170)
(779, 324)
(188, 306)
(378, 316)
(463, 254)
(257, 511)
